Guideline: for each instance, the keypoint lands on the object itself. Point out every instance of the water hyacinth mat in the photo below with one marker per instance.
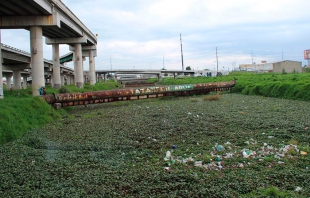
(236, 146)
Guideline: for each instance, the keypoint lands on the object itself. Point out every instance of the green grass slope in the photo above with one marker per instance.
(20, 112)
(289, 86)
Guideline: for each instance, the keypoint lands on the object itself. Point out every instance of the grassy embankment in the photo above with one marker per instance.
(20, 112)
(288, 86)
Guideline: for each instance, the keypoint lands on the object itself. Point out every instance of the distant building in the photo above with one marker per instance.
(277, 67)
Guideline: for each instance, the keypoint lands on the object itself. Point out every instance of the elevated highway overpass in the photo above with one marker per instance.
(55, 21)
(17, 63)
(158, 73)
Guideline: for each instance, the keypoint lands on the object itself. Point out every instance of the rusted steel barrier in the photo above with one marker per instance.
(74, 99)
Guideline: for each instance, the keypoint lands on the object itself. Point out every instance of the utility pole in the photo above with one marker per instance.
(111, 62)
(163, 61)
(217, 61)
(182, 53)
(282, 54)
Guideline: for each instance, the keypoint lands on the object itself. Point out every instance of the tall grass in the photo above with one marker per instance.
(289, 86)
(21, 113)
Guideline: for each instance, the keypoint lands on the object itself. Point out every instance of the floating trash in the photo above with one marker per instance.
(217, 160)
(220, 148)
(198, 164)
(303, 153)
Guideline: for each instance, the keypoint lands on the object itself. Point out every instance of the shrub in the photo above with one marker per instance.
(212, 97)
(63, 90)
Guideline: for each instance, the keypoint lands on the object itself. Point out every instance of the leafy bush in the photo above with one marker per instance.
(63, 90)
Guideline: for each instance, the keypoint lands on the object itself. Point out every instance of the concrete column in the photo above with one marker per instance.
(56, 67)
(71, 77)
(74, 66)
(98, 78)
(78, 63)
(37, 65)
(115, 77)
(1, 76)
(17, 79)
(92, 75)
(159, 77)
(105, 77)
(68, 79)
(52, 81)
(62, 80)
(8, 82)
(24, 82)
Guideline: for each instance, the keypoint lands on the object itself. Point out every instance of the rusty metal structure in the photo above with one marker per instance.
(74, 99)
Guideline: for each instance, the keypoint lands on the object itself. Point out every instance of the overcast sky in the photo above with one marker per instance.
(145, 34)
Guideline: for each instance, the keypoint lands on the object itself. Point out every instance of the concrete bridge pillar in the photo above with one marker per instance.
(174, 75)
(159, 77)
(105, 77)
(78, 63)
(24, 82)
(92, 75)
(52, 81)
(62, 80)
(17, 79)
(37, 64)
(56, 67)
(115, 77)
(68, 79)
(97, 76)
(72, 80)
(8, 81)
